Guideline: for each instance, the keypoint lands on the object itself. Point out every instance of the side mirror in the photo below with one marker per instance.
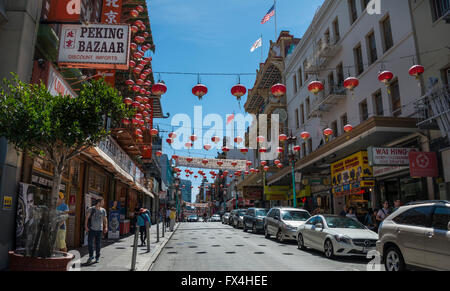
(319, 226)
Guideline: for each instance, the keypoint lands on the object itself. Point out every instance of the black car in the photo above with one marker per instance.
(254, 219)
(192, 218)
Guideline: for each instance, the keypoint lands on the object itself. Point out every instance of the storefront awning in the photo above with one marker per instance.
(104, 160)
(376, 131)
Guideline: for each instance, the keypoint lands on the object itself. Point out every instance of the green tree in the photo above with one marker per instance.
(57, 127)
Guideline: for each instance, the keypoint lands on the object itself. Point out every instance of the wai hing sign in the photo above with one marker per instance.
(100, 46)
(389, 156)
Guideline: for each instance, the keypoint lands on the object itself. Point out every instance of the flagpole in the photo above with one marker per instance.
(275, 5)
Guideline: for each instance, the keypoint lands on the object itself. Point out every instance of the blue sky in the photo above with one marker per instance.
(215, 36)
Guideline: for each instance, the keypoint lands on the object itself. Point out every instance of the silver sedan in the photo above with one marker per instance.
(336, 236)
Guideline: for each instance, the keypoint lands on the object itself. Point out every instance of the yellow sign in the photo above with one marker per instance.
(7, 202)
(351, 169)
(275, 193)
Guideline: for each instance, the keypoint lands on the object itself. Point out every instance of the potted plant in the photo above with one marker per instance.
(57, 128)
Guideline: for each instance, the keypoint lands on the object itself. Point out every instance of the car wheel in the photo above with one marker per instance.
(329, 251)
(394, 261)
(280, 236)
(300, 242)
(254, 230)
(266, 233)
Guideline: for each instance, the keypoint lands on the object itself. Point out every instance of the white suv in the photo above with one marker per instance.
(417, 234)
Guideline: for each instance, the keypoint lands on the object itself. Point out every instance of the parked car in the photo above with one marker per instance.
(336, 236)
(254, 219)
(283, 222)
(192, 218)
(225, 218)
(200, 219)
(232, 215)
(418, 235)
(215, 218)
(238, 221)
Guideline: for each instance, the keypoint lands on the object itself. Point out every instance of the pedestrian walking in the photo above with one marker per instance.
(96, 225)
(168, 217)
(172, 216)
(61, 234)
(142, 219)
(205, 217)
(383, 212)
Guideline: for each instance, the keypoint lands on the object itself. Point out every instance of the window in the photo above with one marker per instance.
(395, 99)
(439, 8)
(387, 33)
(378, 103)
(302, 109)
(305, 63)
(334, 127)
(344, 120)
(300, 78)
(372, 48)
(353, 11)
(340, 73)
(295, 83)
(363, 112)
(337, 35)
(357, 52)
(297, 118)
(441, 218)
(419, 216)
(308, 108)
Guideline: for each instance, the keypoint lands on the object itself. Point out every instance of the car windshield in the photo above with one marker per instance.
(242, 212)
(293, 215)
(261, 212)
(343, 222)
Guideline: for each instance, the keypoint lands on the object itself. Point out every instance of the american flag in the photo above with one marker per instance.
(269, 14)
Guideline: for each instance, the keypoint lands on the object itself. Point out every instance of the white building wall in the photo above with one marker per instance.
(397, 59)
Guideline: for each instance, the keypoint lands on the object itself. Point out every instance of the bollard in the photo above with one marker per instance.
(163, 225)
(135, 246)
(157, 229)
(147, 230)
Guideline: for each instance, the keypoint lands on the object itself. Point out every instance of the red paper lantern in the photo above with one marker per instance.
(238, 139)
(189, 160)
(172, 135)
(263, 163)
(348, 128)
(351, 83)
(175, 157)
(246, 172)
(200, 90)
(282, 137)
(193, 137)
(219, 163)
(129, 82)
(266, 168)
(159, 153)
(226, 149)
(244, 150)
(215, 139)
(280, 166)
(234, 164)
(154, 131)
(238, 91)
(135, 104)
(315, 87)
(278, 90)
(279, 150)
(263, 150)
(305, 135)
(138, 99)
(159, 89)
(127, 101)
(416, 71)
(205, 161)
(134, 29)
(138, 116)
(277, 162)
(260, 139)
(132, 64)
(134, 13)
(126, 121)
(248, 163)
(385, 77)
(328, 131)
(136, 88)
(297, 148)
(207, 147)
(188, 145)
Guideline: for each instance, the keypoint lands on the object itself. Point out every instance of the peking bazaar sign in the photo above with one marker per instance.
(64, 11)
(98, 46)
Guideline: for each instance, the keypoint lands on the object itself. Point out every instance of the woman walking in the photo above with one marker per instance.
(142, 220)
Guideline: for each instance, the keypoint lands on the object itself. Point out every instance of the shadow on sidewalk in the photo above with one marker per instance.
(105, 242)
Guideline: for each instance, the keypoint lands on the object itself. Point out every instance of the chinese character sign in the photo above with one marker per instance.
(111, 11)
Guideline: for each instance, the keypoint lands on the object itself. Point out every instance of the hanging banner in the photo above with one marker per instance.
(253, 193)
(423, 164)
(197, 205)
(212, 164)
(111, 12)
(95, 46)
(64, 11)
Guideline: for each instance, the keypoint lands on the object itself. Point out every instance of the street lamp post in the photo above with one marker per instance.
(292, 140)
(235, 190)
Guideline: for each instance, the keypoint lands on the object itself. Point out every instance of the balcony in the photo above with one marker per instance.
(270, 104)
(326, 50)
(330, 97)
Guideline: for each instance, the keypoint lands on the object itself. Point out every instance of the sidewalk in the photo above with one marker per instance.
(116, 255)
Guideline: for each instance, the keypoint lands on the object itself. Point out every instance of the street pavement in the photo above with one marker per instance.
(217, 247)
(116, 255)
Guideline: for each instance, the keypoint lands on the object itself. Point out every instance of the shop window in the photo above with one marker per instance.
(97, 182)
(419, 216)
(334, 127)
(357, 51)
